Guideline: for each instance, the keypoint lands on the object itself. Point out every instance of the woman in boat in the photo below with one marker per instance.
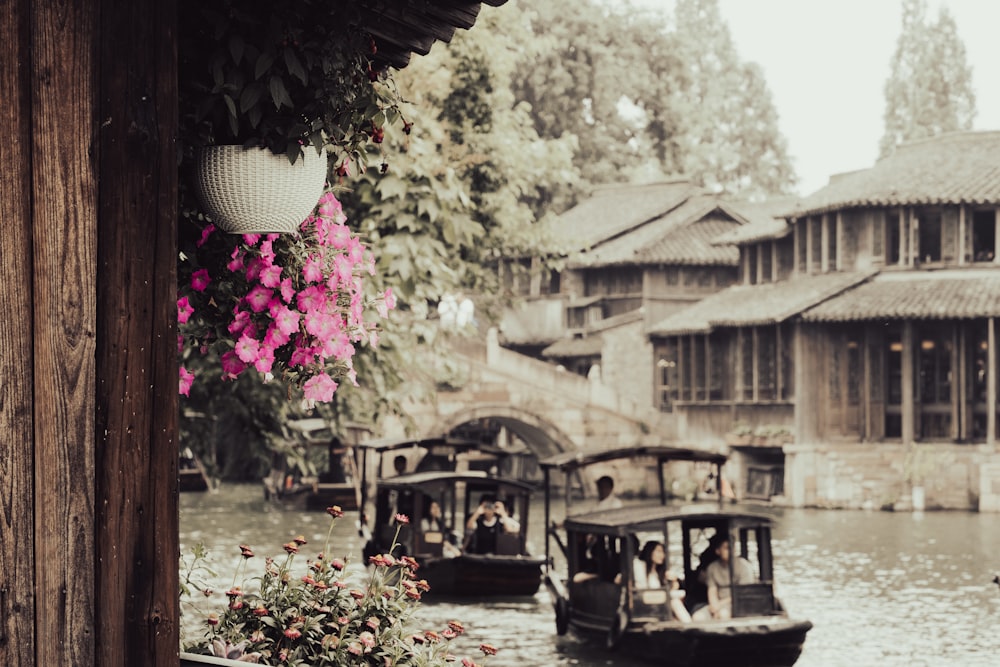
(650, 571)
(433, 522)
(720, 603)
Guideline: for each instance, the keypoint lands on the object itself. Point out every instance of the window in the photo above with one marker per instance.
(550, 282)
(878, 219)
(929, 230)
(767, 364)
(787, 362)
(854, 372)
(765, 262)
(984, 236)
(831, 255)
(719, 365)
(816, 243)
(802, 259)
(892, 237)
(934, 384)
(751, 264)
(684, 345)
(746, 349)
(672, 276)
(786, 257)
(666, 373)
(618, 281)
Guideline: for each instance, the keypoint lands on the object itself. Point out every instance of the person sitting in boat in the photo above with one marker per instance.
(483, 526)
(433, 522)
(607, 500)
(650, 571)
(720, 603)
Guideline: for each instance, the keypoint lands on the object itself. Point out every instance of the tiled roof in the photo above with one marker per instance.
(954, 168)
(588, 346)
(765, 222)
(614, 209)
(952, 294)
(682, 236)
(749, 305)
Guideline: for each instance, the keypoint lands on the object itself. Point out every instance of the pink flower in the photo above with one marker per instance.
(232, 365)
(488, 649)
(339, 236)
(200, 280)
(321, 325)
(368, 639)
(251, 239)
(186, 379)
(236, 260)
(389, 298)
(258, 298)
(265, 359)
(205, 233)
(292, 633)
(241, 319)
(319, 388)
(271, 276)
(310, 298)
(402, 518)
(312, 271)
(184, 310)
(247, 349)
(287, 290)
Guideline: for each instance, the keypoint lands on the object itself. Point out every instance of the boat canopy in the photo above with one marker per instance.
(570, 461)
(627, 520)
(381, 445)
(437, 479)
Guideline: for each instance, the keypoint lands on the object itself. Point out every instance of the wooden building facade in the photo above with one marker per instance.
(881, 338)
(88, 400)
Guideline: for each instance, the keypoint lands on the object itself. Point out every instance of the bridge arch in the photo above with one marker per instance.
(540, 435)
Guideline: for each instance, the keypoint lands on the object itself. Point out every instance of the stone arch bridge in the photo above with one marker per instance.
(550, 410)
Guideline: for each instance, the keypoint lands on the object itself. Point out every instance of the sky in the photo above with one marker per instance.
(826, 63)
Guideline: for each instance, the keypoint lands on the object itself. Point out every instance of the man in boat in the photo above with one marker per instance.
(607, 500)
(720, 601)
(483, 526)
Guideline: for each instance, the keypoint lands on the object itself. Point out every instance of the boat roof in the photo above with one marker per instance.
(436, 478)
(569, 461)
(626, 520)
(428, 442)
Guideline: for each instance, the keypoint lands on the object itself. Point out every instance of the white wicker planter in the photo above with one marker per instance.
(253, 191)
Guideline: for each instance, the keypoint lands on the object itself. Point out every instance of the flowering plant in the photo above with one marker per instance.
(292, 305)
(317, 618)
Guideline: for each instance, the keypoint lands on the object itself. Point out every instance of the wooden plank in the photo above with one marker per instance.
(136, 390)
(17, 578)
(64, 251)
(991, 383)
(908, 403)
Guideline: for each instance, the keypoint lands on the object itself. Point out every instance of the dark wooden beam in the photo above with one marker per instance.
(136, 391)
(64, 256)
(17, 534)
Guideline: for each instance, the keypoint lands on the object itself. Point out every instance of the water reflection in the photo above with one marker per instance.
(880, 588)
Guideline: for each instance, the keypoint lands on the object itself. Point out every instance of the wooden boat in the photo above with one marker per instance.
(449, 564)
(191, 474)
(606, 603)
(332, 477)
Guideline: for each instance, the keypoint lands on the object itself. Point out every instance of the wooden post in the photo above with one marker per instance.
(866, 384)
(839, 236)
(775, 272)
(908, 407)
(961, 235)
(18, 637)
(824, 243)
(903, 260)
(756, 364)
(779, 370)
(805, 387)
(991, 383)
(958, 389)
(809, 247)
(796, 243)
(996, 236)
(137, 402)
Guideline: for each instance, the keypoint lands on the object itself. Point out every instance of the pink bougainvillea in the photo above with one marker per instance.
(291, 306)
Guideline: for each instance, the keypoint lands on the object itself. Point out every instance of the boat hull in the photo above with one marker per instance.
(472, 575)
(765, 641)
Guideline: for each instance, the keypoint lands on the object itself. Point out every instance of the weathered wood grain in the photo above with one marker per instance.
(137, 400)
(64, 246)
(17, 578)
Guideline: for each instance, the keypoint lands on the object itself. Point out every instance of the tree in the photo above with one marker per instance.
(929, 90)
(729, 140)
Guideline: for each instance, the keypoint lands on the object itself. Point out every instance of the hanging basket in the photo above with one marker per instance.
(254, 191)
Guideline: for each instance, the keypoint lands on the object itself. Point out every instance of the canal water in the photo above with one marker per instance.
(882, 589)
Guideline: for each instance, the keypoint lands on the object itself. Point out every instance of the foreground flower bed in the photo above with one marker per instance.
(312, 615)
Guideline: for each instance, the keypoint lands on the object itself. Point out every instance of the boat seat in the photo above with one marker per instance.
(431, 543)
(753, 600)
(508, 544)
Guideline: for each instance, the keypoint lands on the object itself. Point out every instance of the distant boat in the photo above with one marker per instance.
(191, 475)
(336, 480)
(600, 597)
(453, 566)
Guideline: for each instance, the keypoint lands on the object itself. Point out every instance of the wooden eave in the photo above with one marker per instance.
(404, 27)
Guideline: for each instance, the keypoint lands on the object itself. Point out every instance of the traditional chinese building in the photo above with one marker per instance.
(864, 330)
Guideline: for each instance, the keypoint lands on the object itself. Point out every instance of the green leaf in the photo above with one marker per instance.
(295, 66)
(236, 46)
(231, 105)
(250, 96)
(264, 62)
(279, 94)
